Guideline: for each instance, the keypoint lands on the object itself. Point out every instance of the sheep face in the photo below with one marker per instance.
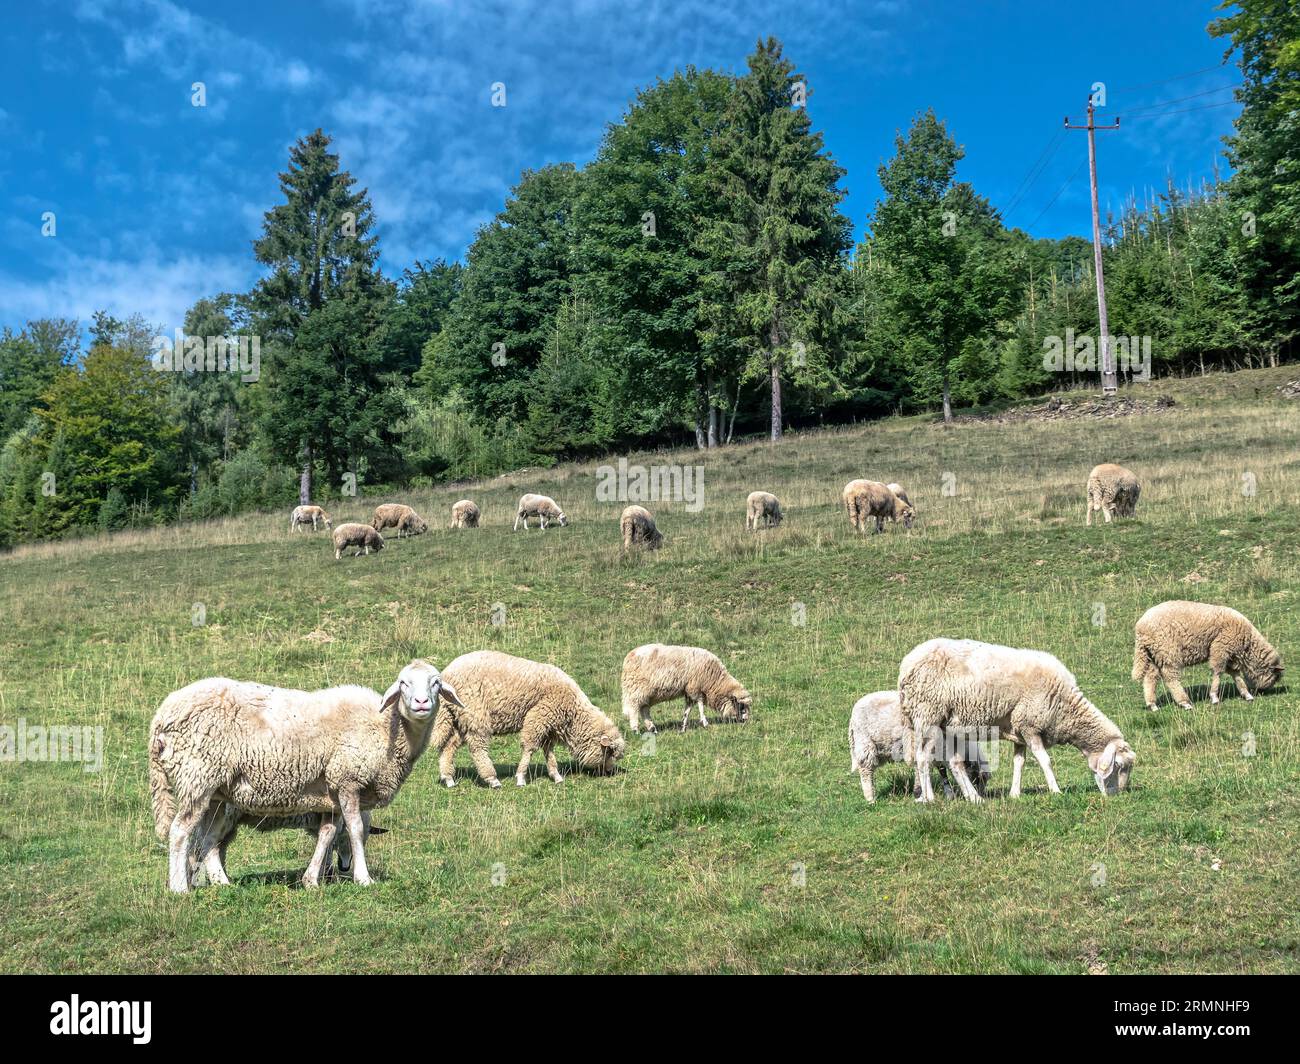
(1268, 673)
(1112, 767)
(561, 518)
(416, 691)
(908, 513)
(611, 749)
(736, 707)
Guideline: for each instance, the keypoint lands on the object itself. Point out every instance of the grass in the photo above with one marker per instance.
(736, 848)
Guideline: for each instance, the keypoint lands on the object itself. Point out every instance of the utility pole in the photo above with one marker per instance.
(1108, 380)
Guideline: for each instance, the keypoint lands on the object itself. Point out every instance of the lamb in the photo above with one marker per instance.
(1177, 633)
(401, 516)
(655, 673)
(543, 507)
(638, 525)
(363, 537)
(221, 750)
(1113, 490)
(762, 505)
(897, 489)
(303, 514)
(464, 515)
(865, 499)
(503, 695)
(878, 731)
(1028, 696)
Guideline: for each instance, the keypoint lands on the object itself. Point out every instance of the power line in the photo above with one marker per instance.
(1179, 99)
(1166, 81)
(1035, 172)
(1068, 180)
(1180, 110)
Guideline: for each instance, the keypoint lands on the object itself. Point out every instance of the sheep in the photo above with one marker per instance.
(865, 499)
(221, 750)
(1176, 633)
(543, 507)
(1027, 695)
(401, 516)
(897, 489)
(303, 514)
(762, 505)
(1113, 490)
(465, 515)
(879, 731)
(503, 695)
(638, 525)
(363, 537)
(655, 673)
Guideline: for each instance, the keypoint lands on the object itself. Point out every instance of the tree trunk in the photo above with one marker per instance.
(699, 434)
(701, 400)
(947, 398)
(304, 483)
(713, 426)
(774, 361)
(194, 478)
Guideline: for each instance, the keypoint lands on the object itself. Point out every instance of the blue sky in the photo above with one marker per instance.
(157, 201)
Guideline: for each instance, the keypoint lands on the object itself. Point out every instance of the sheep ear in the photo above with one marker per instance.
(445, 690)
(391, 695)
(1106, 762)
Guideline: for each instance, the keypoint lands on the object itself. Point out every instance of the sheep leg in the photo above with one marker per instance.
(1219, 659)
(867, 771)
(1149, 687)
(687, 715)
(478, 750)
(531, 736)
(552, 767)
(958, 767)
(446, 769)
(704, 721)
(1174, 681)
(1088, 512)
(1242, 689)
(344, 846)
(1107, 509)
(1017, 767)
(178, 846)
(1039, 751)
(324, 841)
(351, 803)
(1214, 687)
(221, 820)
(924, 747)
(632, 714)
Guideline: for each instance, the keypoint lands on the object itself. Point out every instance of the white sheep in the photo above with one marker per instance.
(304, 514)
(1177, 633)
(897, 489)
(878, 731)
(657, 673)
(363, 537)
(638, 527)
(1113, 490)
(867, 499)
(764, 506)
(1028, 696)
(400, 516)
(221, 750)
(465, 514)
(499, 694)
(543, 507)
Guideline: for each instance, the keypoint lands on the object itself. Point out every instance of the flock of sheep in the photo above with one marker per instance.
(224, 753)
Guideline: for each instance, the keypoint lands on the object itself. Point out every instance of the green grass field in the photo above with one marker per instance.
(736, 848)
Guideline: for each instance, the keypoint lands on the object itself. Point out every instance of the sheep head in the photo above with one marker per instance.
(736, 706)
(611, 748)
(416, 691)
(1112, 766)
(907, 513)
(559, 516)
(1267, 672)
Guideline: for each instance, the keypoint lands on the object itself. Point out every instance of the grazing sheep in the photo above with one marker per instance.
(1176, 633)
(503, 695)
(762, 505)
(1029, 696)
(1113, 490)
(465, 515)
(897, 489)
(655, 673)
(865, 499)
(363, 537)
(221, 750)
(543, 507)
(303, 514)
(401, 516)
(878, 731)
(638, 525)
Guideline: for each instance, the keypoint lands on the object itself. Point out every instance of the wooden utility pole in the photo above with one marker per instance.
(1108, 380)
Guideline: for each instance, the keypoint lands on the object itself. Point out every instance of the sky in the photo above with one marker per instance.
(156, 201)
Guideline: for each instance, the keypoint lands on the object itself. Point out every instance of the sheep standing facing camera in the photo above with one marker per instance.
(465, 515)
(1113, 490)
(762, 506)
(638, 527)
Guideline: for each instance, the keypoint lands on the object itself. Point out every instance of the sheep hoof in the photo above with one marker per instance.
(1248, 697)
(448, 781)
(558, 777)
(1153, 707)
(494, 784)
(310, 884)
(1185, 705)
(519, 781)
(362, 881)
(1214, 701)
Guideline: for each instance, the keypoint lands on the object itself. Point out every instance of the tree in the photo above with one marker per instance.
(1266, 154)
(779, 238)
(29, 361)
(319, 247)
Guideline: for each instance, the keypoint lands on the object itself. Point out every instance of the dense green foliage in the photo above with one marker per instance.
(692, 282)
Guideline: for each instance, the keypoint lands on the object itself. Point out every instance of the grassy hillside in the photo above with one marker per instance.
(739, 848)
